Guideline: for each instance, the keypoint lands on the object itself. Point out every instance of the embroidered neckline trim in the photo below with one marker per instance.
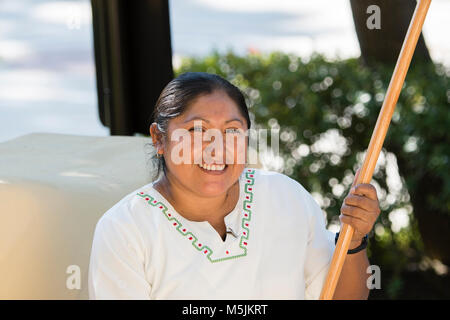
(199, 245)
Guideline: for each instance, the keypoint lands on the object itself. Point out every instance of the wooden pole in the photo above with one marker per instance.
(376, 142)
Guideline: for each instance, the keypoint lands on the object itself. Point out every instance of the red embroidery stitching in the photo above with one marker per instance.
(246, 218)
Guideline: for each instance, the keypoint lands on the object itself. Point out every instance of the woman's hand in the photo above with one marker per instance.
(360, 210)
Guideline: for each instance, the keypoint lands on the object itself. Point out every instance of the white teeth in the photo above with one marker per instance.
(216, 167)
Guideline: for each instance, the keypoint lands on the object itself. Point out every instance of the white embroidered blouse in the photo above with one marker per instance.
(277, 247)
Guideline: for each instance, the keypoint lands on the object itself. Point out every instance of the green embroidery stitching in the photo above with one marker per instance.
(248, 190)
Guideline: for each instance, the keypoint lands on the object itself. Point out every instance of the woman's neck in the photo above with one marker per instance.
(194, 207)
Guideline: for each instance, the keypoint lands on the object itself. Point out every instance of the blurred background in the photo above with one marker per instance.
(311, 68)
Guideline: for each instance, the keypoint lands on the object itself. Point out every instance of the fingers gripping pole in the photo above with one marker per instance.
(378, 136)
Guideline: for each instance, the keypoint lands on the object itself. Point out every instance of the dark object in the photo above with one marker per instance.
(362, 246)
(384, 44)
(133, 58)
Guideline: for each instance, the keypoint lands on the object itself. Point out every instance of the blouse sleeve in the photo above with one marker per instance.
(116, 269)
(319, 252)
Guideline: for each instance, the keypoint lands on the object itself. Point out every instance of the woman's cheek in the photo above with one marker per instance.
(235, 149)
(194, 148)
(241, 150)
(178, 151)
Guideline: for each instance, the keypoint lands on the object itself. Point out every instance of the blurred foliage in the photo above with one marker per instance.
(314, 101)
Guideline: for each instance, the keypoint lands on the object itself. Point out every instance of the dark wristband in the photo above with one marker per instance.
(362, 246)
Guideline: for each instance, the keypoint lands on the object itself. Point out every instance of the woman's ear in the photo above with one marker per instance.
(156, 138)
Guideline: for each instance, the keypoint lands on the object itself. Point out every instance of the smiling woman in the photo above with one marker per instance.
(178, 97)
(211, 228)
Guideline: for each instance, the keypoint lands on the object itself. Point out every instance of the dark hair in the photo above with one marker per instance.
(179, 93)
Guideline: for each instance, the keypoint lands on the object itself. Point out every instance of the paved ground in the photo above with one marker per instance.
(47, 75)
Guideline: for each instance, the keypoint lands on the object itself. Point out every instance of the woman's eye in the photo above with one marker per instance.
(232, 130)
(196, 129)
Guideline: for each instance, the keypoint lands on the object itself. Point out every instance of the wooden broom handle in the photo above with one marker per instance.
(376, 142)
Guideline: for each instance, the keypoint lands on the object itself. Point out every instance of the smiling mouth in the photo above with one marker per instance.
(213, 167)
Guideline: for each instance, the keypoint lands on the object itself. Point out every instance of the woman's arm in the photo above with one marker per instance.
(352, 284)
(360, 210)
(116, 269)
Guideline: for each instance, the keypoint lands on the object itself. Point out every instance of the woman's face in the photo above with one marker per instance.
(209, 138)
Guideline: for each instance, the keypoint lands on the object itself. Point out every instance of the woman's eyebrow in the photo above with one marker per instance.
(200, 118)
(195, 118)
(235, 119)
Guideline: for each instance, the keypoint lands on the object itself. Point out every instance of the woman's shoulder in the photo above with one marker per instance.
(127, 211)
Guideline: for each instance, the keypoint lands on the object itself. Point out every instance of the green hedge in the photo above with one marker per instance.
(314, 98)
